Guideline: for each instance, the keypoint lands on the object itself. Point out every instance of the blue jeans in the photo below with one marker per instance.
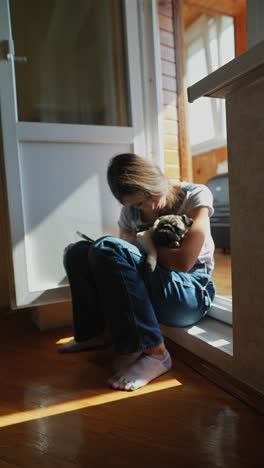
(111, 290)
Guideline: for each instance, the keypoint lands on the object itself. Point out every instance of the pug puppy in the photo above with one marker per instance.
(167, 231)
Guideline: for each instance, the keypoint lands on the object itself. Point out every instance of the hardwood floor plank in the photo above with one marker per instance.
(57, 411)
(222, 274)
(4, 464)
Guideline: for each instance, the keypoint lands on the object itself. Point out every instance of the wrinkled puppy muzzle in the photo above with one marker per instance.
(169, 230)
(166, 236)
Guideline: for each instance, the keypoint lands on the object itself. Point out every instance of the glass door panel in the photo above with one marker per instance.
(76, 70)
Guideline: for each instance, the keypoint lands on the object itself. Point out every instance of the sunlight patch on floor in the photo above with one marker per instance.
(163, 383)
(64, 340)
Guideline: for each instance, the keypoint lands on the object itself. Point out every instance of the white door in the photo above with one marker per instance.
(66, 109)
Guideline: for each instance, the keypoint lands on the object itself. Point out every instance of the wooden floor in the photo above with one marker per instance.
(222, 274)
(56, 411)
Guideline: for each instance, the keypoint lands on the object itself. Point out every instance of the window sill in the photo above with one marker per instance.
(221, 309)
(209, 332)
(240, 70)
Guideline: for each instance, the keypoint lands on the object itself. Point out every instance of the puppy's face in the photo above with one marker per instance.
(169, 230)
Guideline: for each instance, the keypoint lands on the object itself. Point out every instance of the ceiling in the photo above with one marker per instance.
(194, 8)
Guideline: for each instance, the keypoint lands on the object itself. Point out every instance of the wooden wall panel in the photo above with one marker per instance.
(190, 14)
(169, 83)
(166, 23)
(169, 88)
(224, 7)
(205, 164)
(172, 172)
(165, 8)
(241, 32)
(171, 143)
(171, 156)
(166, 38)
(170, 127)
(170, 112)
(167, 53)
(168, 68)
(169, 98)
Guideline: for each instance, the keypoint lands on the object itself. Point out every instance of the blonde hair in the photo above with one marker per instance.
(127, 173)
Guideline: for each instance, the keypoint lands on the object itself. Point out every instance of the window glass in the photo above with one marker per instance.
(196, 62)
(227, 43)
(209, 42)
(76, 61)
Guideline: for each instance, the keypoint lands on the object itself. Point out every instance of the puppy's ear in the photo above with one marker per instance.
(156, 223)
(188, 221)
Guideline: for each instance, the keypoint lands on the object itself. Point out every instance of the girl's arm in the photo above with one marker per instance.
(184, 258)
(129, 237)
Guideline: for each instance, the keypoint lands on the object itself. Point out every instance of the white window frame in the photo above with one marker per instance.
(221, 309)
(151, 80)
(200, 29)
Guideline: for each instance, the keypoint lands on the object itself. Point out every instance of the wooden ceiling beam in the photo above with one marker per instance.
(225, 7)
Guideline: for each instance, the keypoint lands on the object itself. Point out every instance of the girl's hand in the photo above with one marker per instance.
(183, 258)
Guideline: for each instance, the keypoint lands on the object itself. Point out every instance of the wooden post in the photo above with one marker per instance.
(185, 156)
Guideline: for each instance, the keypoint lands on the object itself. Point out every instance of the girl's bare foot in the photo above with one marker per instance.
(74, 346)
(146, 368)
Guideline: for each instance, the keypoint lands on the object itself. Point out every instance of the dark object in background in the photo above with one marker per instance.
(220, 221)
